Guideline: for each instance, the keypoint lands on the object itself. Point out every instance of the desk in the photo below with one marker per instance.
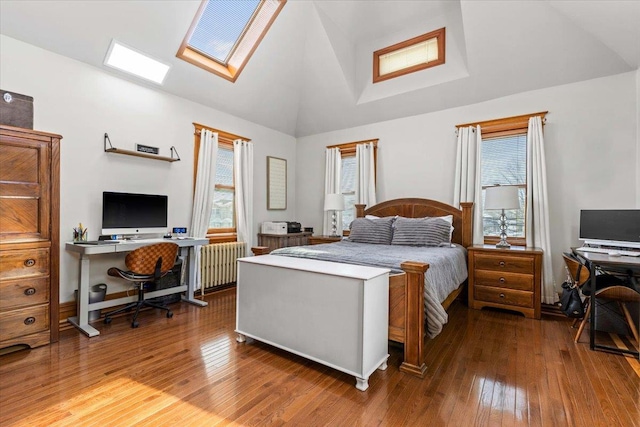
(186, 254)
(614, 264)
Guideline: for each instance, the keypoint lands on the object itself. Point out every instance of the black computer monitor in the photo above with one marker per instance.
(611, 227)
(129, 213)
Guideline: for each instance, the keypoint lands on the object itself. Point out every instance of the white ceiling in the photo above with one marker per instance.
(312, 71)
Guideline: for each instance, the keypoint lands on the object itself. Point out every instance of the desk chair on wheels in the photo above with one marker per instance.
(607, 287)
(145, 264)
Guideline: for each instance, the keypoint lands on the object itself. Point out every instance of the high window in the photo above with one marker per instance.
(348, 179)
(222, 223)
(409, 56)
(225, 33)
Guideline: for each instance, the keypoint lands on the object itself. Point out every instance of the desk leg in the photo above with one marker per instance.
(191, 277)
(81, 321)
(593, 302)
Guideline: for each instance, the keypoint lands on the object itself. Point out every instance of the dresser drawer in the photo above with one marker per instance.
(499, 262)
(24, 263)
(503, 296)
(24, 321)
(23, 292)
(499, 279)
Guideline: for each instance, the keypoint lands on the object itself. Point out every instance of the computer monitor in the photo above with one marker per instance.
(609, 227)
(128, 213)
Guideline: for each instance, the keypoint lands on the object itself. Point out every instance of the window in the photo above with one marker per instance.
(504, 162)
(222, 223)
(348, 179)
(409, 56)
(225, 33)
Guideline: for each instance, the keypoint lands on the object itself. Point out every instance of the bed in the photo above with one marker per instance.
(407, 288)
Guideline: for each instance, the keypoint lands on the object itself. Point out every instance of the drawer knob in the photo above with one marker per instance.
(502, 280)
(501, 263)
(29, 320)
(30, 291)
(501, 295)
(30, 262)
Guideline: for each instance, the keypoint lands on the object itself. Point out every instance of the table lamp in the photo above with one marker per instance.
(502, 197)
(334, 203)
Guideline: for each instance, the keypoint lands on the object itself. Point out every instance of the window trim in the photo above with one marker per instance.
(439, 35)
(496, 128)
(225, 70)
(225, 141)
(348, 149)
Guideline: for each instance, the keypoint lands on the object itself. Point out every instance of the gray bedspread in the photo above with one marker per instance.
(447, 268)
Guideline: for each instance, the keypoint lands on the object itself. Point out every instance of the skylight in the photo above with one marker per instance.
(220, 26)
(131, 61)
(225, 33)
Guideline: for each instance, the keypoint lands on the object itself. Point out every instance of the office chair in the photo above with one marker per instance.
(607, 287)
(145, 264)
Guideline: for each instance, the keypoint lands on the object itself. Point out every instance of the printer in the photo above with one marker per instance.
(274, 227)
(281, 227)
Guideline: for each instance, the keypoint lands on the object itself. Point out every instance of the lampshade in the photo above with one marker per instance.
(502, 197)
(333, 202)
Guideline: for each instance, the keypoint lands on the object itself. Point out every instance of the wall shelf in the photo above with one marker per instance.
(111, 149)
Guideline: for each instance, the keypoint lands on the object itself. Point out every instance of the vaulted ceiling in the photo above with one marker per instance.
(312, 71)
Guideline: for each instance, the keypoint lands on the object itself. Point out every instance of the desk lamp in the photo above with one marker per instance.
(502, 197)
(334, 203)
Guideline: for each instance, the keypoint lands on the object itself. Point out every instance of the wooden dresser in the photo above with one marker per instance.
(29, 236)
(505, 278)
(276, 241)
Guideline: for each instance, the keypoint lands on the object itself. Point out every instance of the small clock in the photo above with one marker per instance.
(180, 230)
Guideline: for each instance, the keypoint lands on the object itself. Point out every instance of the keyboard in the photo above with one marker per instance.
(608, 251)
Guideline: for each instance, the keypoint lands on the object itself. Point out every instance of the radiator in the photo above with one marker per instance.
(218, 263)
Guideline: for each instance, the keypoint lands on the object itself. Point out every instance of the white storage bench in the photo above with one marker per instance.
(335, 314)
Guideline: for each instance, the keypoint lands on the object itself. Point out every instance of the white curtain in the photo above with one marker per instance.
(537, 220)
(468, 180)
(333, 169)
(205, 186)
(243, 178)
(365, 174)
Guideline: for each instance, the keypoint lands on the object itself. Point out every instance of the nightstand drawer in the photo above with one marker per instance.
(500, 262)
(504, 296)
(499, 279)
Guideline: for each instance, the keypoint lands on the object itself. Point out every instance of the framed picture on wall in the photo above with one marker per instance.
(276, 183)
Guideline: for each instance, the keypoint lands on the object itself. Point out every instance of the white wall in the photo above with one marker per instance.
(81, 103)
(591, 151)
(638, 138)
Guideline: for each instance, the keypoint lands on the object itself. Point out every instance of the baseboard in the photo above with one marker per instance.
(69, 309)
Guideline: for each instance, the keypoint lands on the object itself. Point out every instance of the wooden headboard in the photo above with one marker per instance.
(419, 208)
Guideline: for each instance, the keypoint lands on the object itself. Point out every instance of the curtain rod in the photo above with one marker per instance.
(542, 115)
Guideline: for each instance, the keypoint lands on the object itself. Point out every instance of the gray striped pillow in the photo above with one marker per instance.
(374, 231)
(421, 231)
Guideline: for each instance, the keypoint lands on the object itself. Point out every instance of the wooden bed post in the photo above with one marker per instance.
(260, 250)
(414, 319)
(360, 210)
(467, 223)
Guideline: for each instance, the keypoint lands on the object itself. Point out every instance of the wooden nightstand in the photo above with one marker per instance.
(505, 278)
(316, 240)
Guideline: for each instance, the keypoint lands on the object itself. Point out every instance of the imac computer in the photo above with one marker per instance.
(133, 214)
(611, 228)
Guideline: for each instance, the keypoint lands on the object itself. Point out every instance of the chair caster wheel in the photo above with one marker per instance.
(134, 324)
(107, 320)
(169, 314)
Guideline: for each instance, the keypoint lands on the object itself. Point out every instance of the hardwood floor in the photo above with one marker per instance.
(486, 368)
